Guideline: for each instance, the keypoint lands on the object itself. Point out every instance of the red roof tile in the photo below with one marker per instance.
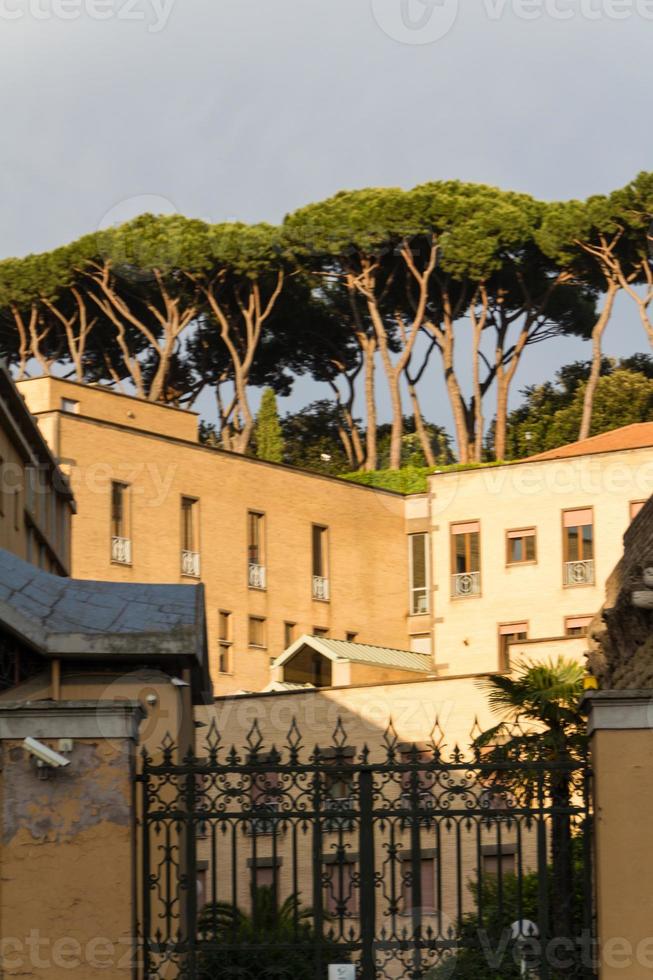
(639, 435)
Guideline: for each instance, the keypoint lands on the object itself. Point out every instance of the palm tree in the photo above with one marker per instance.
(541, 721)
(274, 942)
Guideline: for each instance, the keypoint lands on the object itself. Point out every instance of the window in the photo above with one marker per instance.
(320, 631)
(520, 546)
(17, 514)
(351, 637)
(340, 898)
(190, 558)
(421, 643)
(635, 507)
(419, 593)
(507, 634)
(288, 635)
(256, 631)
(427, 883)
(70, 405)
(320, 563)
(466, 559)
(577, 625)
(202, 899)
(498, 861)
(266, 878)
(121, 551)
(578, 547)
(225, 642)
(255, 550)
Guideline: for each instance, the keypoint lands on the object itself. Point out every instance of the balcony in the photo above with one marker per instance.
(190, 563)
(337, 805)
(320, 588)
(121, 550)
(268, 822)
(256, 577)
(465, 584)
(579, 572)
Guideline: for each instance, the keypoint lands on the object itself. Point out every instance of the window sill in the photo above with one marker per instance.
(518, 564)
(255, 646)
(121, 564)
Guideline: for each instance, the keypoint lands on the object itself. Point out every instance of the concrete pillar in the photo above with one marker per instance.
(621, 730)
(67, 852)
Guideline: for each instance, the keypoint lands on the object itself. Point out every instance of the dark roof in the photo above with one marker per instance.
(86, 619)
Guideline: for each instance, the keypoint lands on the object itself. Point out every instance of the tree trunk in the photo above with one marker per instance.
(597, 356)
(397, 431)
(502, 417)
(369, 352)
(420, 428)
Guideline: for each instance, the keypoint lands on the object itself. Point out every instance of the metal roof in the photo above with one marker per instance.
(86, 619)
(360, 653)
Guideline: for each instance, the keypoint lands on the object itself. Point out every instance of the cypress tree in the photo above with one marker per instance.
(269, 440)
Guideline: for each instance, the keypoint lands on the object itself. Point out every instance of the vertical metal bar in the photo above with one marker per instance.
(479, 873)
(542, 889)
(295, 879)
(147, 919)
(367, 875)
(416, 867)
(317, 873)
(191, 869)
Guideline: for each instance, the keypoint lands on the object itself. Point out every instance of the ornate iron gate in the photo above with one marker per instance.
(399, 860)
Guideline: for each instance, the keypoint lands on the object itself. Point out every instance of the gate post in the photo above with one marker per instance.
(620, 726)
(67, 848)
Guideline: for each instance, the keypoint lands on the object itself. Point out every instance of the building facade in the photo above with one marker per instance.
(491, 564)
(36, 502)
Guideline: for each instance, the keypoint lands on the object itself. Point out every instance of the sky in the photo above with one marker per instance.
(248, 109)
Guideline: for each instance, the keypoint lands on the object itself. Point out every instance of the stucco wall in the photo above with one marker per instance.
(518, 496)
(67, 857)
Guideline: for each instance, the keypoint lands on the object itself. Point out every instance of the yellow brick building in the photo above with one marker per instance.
(490, 564)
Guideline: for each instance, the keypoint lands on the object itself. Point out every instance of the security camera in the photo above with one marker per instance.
(44, 755)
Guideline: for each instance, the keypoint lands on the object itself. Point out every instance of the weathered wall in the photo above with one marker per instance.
(622, 656)
(67, 846)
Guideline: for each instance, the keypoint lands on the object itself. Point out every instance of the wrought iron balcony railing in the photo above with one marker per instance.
(579, 572)
(121, 550)
(267, 822)
(190, 563)
(256, 576)
(320, 588)
(465, 584)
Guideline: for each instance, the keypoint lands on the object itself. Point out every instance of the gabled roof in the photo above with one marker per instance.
(359, 653)
(639, 435)
(103, 621)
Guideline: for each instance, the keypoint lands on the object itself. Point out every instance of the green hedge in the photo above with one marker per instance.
(410, 479)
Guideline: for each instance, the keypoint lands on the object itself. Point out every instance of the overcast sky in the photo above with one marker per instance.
(246, 109)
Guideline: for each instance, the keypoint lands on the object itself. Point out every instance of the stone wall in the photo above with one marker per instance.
(622, 635)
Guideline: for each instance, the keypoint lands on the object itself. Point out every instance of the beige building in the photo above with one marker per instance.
(520, 553)
(36, 502)
(490, 564)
